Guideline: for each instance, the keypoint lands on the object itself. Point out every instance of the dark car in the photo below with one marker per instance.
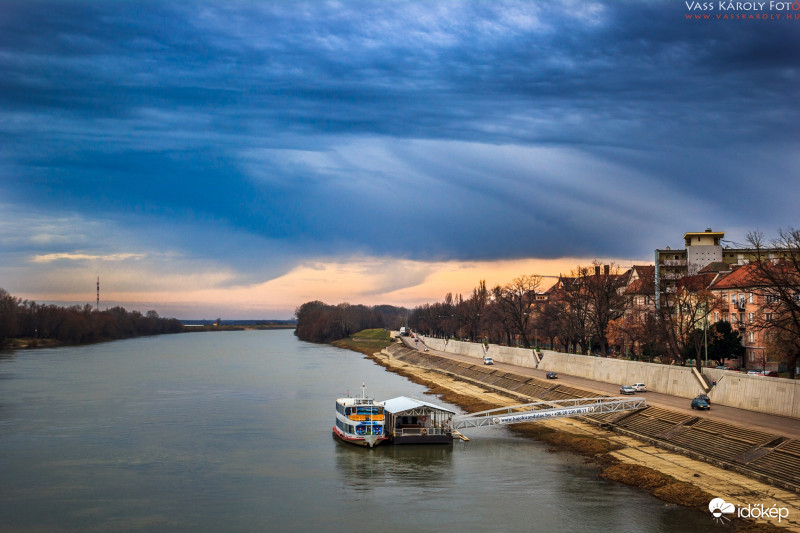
(552, 375)
(704, 397)
(700, 403)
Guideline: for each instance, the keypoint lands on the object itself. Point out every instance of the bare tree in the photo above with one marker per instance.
(573, 307)
(775, 277)
(547, 320)
(514, 302)
(684, 311)
(475, 307)
(8, 316)
(606, 302)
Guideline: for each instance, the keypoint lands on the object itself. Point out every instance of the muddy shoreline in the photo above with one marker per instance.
(599, 446)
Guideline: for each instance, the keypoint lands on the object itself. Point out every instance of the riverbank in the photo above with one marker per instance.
(25, 343)
(673, 478)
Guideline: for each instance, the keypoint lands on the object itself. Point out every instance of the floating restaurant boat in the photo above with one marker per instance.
(360, 420)
(402, 420)
(412, 421)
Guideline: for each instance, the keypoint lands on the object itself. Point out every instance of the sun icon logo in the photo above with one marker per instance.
(720, 507)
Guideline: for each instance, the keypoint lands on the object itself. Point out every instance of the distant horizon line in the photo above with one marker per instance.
(234, 321)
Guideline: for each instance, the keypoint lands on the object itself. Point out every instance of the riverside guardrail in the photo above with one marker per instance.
(532, 412)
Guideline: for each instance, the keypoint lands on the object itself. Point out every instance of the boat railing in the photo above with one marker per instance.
(405, 432)
(374, 418)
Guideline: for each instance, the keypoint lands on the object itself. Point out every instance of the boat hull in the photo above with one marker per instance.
(367, 441)
(446, 438)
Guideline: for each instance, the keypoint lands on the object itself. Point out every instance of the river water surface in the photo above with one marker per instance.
(231, 431)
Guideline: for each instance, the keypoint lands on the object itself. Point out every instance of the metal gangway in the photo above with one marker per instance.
(532, 412)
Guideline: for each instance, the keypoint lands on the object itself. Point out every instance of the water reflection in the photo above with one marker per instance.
(421, 465)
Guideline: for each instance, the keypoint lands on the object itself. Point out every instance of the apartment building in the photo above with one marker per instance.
(742, 302)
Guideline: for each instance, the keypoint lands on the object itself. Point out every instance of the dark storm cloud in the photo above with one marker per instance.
(478, 129)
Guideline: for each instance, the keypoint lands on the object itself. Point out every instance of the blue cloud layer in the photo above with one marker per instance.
(259, 133)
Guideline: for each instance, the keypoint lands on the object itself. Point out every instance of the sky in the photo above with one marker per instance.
(235, 159)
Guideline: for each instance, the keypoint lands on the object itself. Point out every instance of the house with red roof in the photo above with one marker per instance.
(742, 298)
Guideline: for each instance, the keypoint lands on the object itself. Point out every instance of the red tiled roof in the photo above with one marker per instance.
(646, 271)
(719, 266)
(696, 283)
(641, 286)
(742, 276)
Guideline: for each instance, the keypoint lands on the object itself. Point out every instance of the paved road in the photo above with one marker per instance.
(780, 425)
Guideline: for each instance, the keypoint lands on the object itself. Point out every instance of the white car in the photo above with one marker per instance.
(488, 361)
(639, 387)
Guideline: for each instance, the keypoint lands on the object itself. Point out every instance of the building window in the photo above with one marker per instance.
(749, 318)
(768, 317)
(725, 298)
(725, 317)
(716, 317)
(751, 337)
(752, 356)
(749, 297)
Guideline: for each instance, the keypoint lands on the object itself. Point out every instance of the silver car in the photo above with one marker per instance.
(627, 389)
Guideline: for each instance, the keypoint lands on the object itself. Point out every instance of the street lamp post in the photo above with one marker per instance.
(705, 329)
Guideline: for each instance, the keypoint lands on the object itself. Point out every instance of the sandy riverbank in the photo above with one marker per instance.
(668, 476)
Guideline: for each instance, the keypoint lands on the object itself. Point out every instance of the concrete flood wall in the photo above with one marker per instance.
(501, 354)
(674, 380)
(778, 396)
(472, 349)
(435, 344)
(755, 393)
(513, 356)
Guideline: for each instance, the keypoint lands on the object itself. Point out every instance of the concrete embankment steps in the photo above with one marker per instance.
(702, 380)
(771, 458)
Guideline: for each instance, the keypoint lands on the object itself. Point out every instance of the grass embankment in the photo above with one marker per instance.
(367, 341)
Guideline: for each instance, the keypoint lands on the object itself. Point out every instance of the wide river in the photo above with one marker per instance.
(231, 431)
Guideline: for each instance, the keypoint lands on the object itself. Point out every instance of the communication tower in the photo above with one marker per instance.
(98, 293)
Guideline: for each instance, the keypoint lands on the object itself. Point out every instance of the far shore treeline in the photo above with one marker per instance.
(31, 324)
(320, 322)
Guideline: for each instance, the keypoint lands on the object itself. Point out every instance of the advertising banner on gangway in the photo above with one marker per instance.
(539, 415)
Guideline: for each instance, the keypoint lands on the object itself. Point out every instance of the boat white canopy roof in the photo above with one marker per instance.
(404, 403)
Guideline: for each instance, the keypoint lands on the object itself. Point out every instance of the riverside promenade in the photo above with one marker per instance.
(762, 446)
(769, 391)
(706, 459)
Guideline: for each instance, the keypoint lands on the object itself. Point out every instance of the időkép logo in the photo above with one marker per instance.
(719, 508)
